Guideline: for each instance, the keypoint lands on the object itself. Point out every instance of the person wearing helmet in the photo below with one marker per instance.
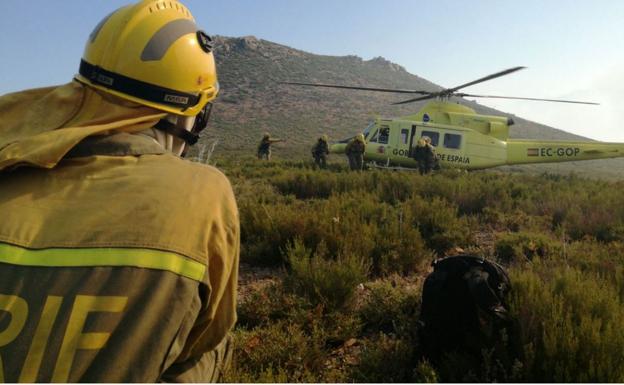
(419, 155)
(320, 151)
(118, 258)
(431, 159)
(355, 152)
(424, 155)
(264, 148)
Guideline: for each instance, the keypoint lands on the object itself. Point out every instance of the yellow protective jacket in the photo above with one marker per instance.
(118, 261)
(355, 147)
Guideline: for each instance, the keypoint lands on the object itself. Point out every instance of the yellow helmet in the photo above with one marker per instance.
(152, 53)
(324, 137)
(360, 137)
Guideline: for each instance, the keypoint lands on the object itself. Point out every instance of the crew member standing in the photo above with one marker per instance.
(424, 155)
(419, 155)
(118, 259)
(320, 151)
(355, 152)
(431, 159)
(264, 148)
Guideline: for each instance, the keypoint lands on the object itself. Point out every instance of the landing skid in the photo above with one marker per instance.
(387, 166)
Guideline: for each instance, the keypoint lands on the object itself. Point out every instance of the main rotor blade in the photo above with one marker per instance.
(359, 88)
(483, 79)
(521, 98)
(417, 99)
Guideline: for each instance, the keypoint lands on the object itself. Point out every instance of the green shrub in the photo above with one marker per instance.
(267, 305)
(425, 373)
(391, 309)
(602, 223)
(307, 185)
(571, 324)
(324, 281)
(334, 328)
(597, 258)
(385, 359)
(348, 224)
(514, 221)
(439, 224)
(280, 352)
(523, 246)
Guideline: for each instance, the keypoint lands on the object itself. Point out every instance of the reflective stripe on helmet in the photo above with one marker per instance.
(98, 27)
(158, 45)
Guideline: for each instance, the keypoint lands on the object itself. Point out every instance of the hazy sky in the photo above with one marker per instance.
(574, 49)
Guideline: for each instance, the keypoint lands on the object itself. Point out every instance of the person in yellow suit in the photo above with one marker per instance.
(118, 258)
(355, 150)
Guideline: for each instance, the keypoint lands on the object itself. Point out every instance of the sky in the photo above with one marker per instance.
(573, 49)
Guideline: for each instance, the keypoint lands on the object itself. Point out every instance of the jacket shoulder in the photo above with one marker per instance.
(193, 180)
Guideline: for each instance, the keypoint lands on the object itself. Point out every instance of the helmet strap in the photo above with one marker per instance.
(201, 119)
(189, 137)
(136, 88)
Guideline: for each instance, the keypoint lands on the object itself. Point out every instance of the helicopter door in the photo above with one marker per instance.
(411, 141)
(402, 147)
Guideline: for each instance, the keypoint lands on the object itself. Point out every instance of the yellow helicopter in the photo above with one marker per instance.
(461, 137)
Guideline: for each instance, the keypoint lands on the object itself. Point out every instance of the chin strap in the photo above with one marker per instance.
(170, 128)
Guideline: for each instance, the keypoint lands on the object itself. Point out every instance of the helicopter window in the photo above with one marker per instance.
(368, 129)
(384, 134)
(374, 136)
(452, 140)
(434, 136)
(404, 134)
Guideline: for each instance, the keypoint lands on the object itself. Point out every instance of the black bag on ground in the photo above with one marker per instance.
(464, 312)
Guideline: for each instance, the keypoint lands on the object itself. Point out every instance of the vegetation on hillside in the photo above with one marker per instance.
(344, 256)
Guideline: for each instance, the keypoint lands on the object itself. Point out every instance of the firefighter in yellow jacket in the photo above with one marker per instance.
(355, 150)
(118, 259)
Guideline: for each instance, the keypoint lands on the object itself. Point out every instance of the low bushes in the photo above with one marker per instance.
(571, 324)
(391, 309)
(525, 246)
(353, 248)
(323, 280)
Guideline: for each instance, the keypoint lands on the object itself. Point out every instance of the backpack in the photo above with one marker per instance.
(464, 312)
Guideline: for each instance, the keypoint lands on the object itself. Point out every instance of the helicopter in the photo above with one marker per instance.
(462, 138)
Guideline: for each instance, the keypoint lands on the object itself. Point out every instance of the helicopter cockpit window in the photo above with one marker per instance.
(434, 136)
(452, 140)
(373, 136)
(384, 134)
(368, 129)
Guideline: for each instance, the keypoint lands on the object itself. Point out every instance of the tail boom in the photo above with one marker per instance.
(527, 151)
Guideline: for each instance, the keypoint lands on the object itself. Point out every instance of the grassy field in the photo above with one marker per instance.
(333, 264)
